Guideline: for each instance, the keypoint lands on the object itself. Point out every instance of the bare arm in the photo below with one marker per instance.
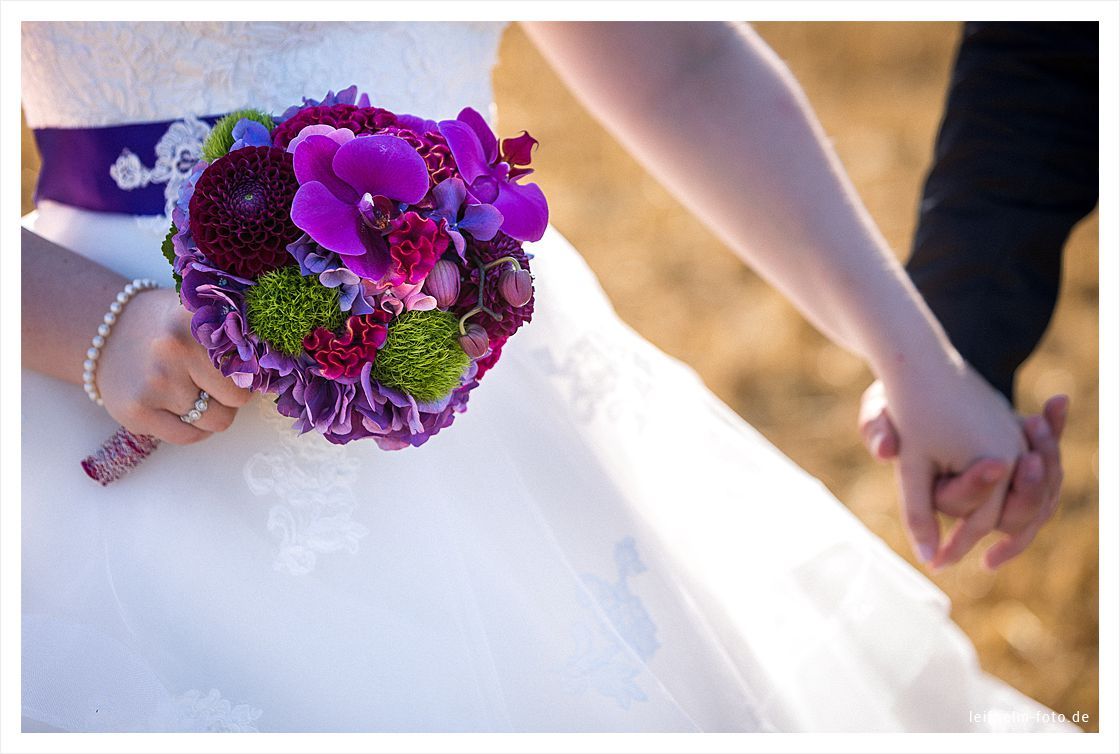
(64, 297)
(710, 110)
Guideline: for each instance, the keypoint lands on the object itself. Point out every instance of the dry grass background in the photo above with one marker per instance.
(878, 89)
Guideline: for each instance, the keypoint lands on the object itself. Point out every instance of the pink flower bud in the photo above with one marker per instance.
(516, 287)
(476, 342)
(442, 283)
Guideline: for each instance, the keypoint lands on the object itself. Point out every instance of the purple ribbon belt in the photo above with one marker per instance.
(133, 169)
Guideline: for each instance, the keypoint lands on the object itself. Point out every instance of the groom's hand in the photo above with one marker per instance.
(1032, 496)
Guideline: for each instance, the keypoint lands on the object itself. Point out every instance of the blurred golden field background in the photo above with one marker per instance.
(878, 88)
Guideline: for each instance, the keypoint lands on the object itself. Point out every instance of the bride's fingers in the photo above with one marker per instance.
(962, 494)
(971, 530)
(180, 396)
(217, 417)
(916, 482)
(169, 427)
(216, 384)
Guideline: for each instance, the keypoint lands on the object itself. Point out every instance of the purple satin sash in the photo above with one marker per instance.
(133, 169)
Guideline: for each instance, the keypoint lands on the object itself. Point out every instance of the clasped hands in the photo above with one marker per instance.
(1014, 496)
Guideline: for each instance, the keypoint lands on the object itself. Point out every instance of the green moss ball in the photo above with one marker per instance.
(422, 356)
(283, 307)
(220, 140)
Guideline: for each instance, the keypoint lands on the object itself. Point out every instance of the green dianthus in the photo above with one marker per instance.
(422, 356)
(220, 140)
(283, 307)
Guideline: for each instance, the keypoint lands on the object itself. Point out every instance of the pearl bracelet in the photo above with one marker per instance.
(89, 372)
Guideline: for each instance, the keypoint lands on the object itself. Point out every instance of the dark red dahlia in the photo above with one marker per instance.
(240, 212)
(360, 120)
(415, 245)
(344, 355)
(433, 148)
(512, 317)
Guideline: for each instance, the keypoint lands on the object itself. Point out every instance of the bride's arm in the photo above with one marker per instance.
(150, 368)
(64, 297)
(714, 114)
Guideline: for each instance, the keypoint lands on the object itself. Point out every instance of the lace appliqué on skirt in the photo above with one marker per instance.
(213, 713)
(596, 388)
(613, 645)
(313, 482)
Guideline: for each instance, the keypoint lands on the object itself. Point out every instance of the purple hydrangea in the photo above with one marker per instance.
(347, 96)
(343, 411)
(480, 220)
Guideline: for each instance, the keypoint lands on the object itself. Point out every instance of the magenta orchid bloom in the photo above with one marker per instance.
(490, 179)
(350, 188)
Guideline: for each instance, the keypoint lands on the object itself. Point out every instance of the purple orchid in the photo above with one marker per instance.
(492, 180)
(480, 220)
(349, 191)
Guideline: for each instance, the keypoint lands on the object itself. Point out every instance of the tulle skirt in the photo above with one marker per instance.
(597, 544)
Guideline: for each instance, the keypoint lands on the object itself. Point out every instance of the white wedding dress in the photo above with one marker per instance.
(597, 544)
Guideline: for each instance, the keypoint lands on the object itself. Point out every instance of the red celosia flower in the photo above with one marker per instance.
(240, 211)
(360, 120)
(345, 355)
(415, 245)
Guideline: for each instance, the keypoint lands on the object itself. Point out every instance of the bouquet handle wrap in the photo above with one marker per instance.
(118, 455)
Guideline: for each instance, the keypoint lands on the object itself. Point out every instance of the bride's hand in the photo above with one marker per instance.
(151, 371)
(946, 421)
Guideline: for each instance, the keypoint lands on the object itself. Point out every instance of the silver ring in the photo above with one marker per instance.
(199, 409)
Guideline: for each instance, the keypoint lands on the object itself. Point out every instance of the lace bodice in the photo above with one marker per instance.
(78, 74)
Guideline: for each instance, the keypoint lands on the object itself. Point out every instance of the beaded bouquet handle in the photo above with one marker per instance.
(118, 455)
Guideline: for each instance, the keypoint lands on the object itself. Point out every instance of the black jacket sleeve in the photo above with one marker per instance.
(1015, 168)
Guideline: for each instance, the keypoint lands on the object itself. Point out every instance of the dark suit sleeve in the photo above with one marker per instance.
(1015, 168)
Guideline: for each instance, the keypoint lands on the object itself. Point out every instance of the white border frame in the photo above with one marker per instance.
(1107, 13)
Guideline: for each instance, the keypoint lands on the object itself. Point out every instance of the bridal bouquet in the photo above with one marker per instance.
(364, 266)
